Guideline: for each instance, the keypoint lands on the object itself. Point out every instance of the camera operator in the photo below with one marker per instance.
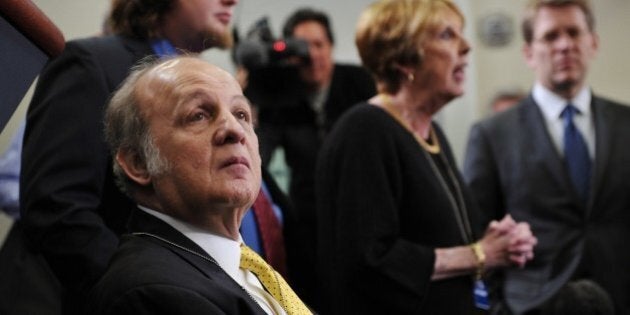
(297, 107)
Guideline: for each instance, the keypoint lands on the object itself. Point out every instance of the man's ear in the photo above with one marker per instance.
(134, 167)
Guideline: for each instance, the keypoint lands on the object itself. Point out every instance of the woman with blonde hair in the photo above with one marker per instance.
(396, 225)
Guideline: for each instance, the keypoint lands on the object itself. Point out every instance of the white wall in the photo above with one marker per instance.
(490, 68)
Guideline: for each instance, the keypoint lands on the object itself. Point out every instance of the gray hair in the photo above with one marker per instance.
(126, 128)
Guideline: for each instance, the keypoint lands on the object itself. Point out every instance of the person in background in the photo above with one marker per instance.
(558, 161)
(72, 211)
(397, 229)
(320, 92)
(182, 136)
(505, 99)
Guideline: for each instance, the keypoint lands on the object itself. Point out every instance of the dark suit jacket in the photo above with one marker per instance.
(161, 271)
(512, 166)
(71, 208)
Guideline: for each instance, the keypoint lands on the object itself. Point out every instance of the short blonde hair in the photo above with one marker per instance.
(390, 33)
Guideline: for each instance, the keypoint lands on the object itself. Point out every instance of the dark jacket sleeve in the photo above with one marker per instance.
(64, 167)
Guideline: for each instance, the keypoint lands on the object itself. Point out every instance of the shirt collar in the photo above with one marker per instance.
(552, 104)
(226, 252)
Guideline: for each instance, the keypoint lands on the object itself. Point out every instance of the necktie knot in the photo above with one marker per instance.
(568, 113)
(251, 261)
(272, 281)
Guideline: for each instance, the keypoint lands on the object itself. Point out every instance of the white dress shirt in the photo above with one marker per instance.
(227, 253)
(552, 106)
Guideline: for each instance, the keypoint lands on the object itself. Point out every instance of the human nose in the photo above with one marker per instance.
(564, 41)
(229, 130)
(313, 51)
(464, 47)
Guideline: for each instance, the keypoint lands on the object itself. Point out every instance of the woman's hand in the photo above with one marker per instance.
(508, 243)
(505, 243)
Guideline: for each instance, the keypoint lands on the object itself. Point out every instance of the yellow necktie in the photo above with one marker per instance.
(273, 282)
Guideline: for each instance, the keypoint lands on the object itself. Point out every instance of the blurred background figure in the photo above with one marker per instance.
(298, 99)
(558, 160)
(397, 229)
(505, 99)
(72, 210)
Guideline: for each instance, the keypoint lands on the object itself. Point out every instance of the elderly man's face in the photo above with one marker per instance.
(202, 125)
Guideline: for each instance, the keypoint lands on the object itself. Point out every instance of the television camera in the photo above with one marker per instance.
(274, 84)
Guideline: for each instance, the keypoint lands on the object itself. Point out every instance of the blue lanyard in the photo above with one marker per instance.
(163, 48)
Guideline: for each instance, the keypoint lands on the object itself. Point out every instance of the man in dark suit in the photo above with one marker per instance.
(562, 169)
(71, 209)
(182, 136)
(297, 114)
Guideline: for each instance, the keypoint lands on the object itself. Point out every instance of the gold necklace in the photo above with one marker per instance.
(433, 148)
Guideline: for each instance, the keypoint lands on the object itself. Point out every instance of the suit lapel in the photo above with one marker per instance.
(188, 250)
(604, 126)
(541, 146)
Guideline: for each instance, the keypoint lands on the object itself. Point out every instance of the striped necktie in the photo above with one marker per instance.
(273, 282)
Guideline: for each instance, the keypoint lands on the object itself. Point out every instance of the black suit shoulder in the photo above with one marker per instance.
(352, 72)
(617, 108)
(505, 120)
(353, 80)
(115, 54)
(147, 276)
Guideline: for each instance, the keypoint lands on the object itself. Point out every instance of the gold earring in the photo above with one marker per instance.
(410, 77)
